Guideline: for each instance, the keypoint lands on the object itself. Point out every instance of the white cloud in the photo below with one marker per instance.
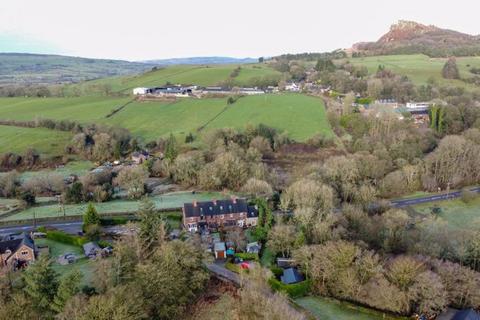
(147, 29)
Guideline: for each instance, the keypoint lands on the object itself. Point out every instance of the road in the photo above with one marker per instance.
(223, 273)
(437, 197)
(69, 227)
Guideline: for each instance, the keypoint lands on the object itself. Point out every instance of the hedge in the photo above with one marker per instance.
(294, 290)
(63, 237)
(247, 256)
(232, 267)
(113, 221)
(277, 271)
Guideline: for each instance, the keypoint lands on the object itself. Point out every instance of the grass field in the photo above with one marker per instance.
(78, 167)
(178, 74)
(456, 213)
(172, 200)
(301, 116)
(83, 264)
(419, 68)
(45, 141)
(82, 109)
(330, 309)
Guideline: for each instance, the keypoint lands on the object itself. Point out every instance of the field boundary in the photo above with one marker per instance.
(115, 111)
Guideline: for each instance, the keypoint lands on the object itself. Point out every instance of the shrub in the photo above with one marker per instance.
(113, 221)
(232, 267)
(104, 244)
(63, 237)
(247, 256)
(277, 271)
(294, 290)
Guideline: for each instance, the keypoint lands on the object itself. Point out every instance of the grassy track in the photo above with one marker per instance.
(45, 141)
(419, 68)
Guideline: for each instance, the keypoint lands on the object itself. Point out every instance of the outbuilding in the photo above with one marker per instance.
(220, 250)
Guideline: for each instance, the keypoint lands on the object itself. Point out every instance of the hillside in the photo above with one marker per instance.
(408, 37)
(39, 69)
(419, 68)
(299, 115)
(201, 60)
(203, 75)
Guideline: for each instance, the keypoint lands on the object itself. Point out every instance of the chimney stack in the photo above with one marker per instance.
(234, 199)
(195, 203)
(214, 202)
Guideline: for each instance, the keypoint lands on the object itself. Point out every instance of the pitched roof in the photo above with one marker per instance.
(219, 246)
(219, 207)
(90, 248)
(467, 314)
(15, 242)
(291, 275)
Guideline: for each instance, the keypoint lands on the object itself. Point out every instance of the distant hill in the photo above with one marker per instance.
(408, 37)
(202, 60)
(39, 69)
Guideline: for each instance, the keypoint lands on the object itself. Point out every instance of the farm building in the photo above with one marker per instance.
(207, 215)
(140, 91)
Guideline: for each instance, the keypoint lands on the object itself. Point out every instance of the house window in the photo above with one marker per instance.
(221, 207)
(24, 253)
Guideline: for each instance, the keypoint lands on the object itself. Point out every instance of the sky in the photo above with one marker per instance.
(157, 29)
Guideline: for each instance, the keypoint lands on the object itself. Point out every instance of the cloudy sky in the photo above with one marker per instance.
(153, 29)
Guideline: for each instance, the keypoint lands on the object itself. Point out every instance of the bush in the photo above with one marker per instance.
(294, 290)
(114, 221)
(247, 256)
(232, 267)
(63, 237)
(104, 244)
(277, 271)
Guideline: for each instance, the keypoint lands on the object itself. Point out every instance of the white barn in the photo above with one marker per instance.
(140, 91)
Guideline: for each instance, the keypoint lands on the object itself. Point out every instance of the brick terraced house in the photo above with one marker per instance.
(198, 216)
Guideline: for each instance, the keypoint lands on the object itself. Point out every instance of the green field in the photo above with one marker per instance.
(77, 167)
(419, 68)
(172, 200)
(83, 264)
(456, 213)
(331, 309)
(301, 116)
(45, 141)
(179, 74)
(82, 109)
